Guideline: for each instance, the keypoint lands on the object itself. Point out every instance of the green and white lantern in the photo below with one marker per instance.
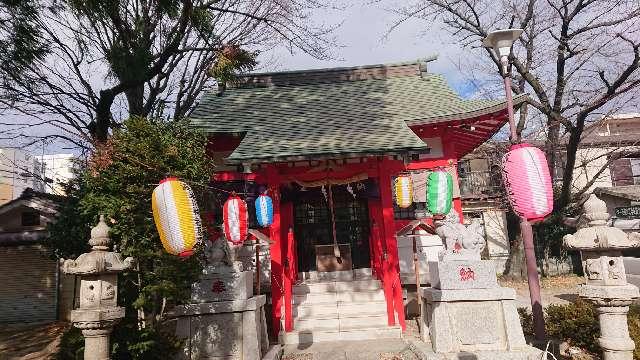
(439, 192)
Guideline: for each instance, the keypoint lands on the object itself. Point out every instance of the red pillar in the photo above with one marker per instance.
(277, 273)
(377, 234)
(391, 264)
(286, 213)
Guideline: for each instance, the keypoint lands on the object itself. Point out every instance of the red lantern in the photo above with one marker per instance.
(235, 216)
(526, 177)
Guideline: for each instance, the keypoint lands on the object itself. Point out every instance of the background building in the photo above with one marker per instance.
(18, 171)
(57, 170)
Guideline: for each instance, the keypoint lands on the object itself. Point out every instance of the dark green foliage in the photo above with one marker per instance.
(548, 239)
(577, 323)
(634, 328)
(230, 60)
(526, 320)
(118, 181)
(20, 39)
(71, 345)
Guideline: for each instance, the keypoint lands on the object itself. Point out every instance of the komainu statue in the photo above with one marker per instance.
(460, 240)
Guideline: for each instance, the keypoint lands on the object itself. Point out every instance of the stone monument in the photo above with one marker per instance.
(606, 282)
(99, 310)
(224, 320)
(465, 310)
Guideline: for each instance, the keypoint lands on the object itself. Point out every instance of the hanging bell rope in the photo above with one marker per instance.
(336, 248)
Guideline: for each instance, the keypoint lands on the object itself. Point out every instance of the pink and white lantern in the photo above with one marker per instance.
(526, 177)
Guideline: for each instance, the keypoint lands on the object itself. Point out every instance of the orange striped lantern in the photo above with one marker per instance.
(175, 213)
(403, 187)
(235, 218)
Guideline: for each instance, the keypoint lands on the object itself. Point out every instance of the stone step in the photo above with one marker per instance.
(347, 275)
(344, 309)
(316, 324)
(340, 322)
(321, 298)
(362, 296)
(345, 334)
(336, 286)
(332, 297)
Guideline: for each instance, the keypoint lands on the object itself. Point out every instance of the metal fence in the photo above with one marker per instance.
(481, 184)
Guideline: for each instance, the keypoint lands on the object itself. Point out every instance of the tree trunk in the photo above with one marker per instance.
(515, 266)
(99, 128)
(551, 145)
(567, 178)
(135, 100)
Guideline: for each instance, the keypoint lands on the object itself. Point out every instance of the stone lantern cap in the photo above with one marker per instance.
(99, 260)
(594, 234)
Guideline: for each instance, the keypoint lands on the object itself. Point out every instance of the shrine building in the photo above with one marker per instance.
(326, 145)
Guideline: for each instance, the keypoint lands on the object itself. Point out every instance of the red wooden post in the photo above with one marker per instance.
(288, 283)
(391, 264)
(376, 238)
(275, 249)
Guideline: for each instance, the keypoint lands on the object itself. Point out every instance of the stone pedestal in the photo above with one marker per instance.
(98, 312)
(224, 321)
(223, 329)
(606, 282)
(216, 286)
(463, 274)
(467, 312)
(472, 320)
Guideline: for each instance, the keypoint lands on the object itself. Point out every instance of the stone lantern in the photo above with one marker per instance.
(606, 282)
(99, 310)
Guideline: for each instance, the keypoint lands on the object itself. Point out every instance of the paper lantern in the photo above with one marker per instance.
(439, 192)
(235, 216)
(526, 177)
(264, 210)
(175, 213)
(404, 191)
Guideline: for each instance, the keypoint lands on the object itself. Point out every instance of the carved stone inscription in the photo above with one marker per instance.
(472, 321)
(217, 336)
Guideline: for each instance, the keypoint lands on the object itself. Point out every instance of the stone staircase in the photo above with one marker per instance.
(339, 309)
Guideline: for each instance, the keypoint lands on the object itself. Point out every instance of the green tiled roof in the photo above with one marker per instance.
(370, 116)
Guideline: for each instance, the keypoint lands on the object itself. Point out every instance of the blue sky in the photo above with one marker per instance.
(362, 35)
(363, 41)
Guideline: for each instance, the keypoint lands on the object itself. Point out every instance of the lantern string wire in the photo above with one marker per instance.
(246, 192)
(210, 187)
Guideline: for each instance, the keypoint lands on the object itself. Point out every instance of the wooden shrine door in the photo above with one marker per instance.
(314, 232)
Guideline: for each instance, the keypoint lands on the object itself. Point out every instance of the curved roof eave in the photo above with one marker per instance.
(462, 115)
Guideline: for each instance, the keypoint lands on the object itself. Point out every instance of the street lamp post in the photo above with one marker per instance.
(501, 41)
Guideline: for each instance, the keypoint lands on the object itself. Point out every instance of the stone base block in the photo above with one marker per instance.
(612, 294)
(463, 274)
(223, 287)
(97, 315)
(231, 330)
(472, 320)
(423, 351)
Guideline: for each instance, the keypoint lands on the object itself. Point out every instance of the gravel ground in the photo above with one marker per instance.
(554, 290)
(380, 349)
(30, 342)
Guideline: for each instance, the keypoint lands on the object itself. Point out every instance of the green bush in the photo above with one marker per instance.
(117, 180)
(577, 323)
(634, 328)
(71, 345)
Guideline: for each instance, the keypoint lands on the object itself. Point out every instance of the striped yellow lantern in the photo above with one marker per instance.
(403, 187)
(176, 216)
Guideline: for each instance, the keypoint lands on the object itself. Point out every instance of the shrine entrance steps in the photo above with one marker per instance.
(339, 306)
